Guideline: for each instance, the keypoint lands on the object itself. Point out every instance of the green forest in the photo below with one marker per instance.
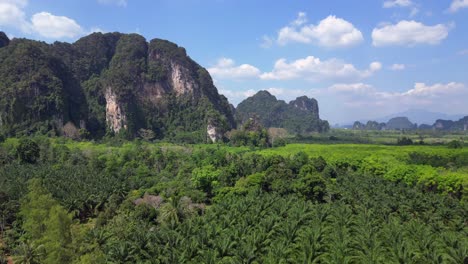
(64, 201)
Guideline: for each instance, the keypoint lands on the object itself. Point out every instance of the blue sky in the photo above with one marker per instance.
(361, 59)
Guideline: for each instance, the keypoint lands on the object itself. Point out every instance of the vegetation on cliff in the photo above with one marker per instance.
(66, 89)
(300, 116)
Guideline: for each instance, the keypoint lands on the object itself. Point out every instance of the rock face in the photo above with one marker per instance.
(299, 116)
(112, 83)
(306, 104)
(213, 133)
(115, 117)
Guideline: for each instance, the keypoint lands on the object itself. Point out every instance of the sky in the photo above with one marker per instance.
(361, 59)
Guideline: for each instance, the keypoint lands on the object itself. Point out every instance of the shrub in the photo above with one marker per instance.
(404, 141)
(455, 144)
(28, 151)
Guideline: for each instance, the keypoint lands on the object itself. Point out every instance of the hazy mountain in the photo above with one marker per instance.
(421, 116)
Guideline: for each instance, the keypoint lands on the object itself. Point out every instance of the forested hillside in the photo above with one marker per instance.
(107, 84)
(300, 116)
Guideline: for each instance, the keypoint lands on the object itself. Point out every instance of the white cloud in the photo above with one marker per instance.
(436, 90)
(402, 4)
(375, 66)
(43, 24)
(436, 96)
(113, 2)
(457, 5)
(12, 15)
(397, 3)
(331, 32)
(226, 69)
(57, 27)
(314, 69)
(397, 67)
(235, 96)
(300, 20)
(409, 33)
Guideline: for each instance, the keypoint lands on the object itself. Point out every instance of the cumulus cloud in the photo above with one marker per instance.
(457, 5)
(236, 96)
(397, 67)
(331, 32)
(44, 24)
(314, 69)
(435, 96)
(227, 69)
(397, 3)
(435, 90)
(409, 33)
(57, 27)
(11, 14)
(113, 2)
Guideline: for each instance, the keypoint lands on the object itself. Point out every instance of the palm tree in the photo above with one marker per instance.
(456, 248)
(28, 253)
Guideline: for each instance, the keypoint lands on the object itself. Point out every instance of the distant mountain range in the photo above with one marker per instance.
(421, 116)
(403, 123)
(418, 116)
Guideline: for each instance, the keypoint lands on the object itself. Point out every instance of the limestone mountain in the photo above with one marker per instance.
(461, 124)
(109, 83)
(299, 116)
(396, 123)
(400, 123)
(370, 125)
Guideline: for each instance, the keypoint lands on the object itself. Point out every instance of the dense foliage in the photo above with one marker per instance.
(300, 116)
(145, 203)
(63, 89)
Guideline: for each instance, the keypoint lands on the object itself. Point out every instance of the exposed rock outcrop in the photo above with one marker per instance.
(306, 104)
(115, 116)
(213, 133)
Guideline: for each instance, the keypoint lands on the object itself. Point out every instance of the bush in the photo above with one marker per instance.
(404, 141)
(280, 142)
(28, 151)
(455, 144)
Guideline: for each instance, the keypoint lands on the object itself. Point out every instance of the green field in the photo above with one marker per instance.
(389, 137)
